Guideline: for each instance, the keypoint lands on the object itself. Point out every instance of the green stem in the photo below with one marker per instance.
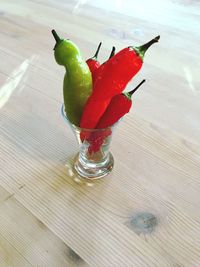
(112, 52)
(55, 35)
(97, 52)
(140, 50)
(135, 89)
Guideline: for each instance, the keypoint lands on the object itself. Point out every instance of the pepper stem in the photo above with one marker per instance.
(97, 52)
(112, 52)
(135, 89)
(143, 48)
(55, 35)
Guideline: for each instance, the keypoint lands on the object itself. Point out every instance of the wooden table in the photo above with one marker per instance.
(147, 212)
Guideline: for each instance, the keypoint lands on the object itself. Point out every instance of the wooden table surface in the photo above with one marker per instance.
(147, 212)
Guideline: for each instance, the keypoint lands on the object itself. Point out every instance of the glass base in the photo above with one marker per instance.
(93, 170)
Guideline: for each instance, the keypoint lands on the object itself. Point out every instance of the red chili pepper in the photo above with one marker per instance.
(118, 107)
(96, 73)
(118, 71)
(92, 62)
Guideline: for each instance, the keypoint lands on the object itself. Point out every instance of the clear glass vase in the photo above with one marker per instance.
(94, 159)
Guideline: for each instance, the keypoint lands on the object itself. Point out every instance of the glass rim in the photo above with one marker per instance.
(84, 129)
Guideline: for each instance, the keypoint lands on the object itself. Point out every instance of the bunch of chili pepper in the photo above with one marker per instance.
(107, 104)
(111, 80)
(92, 91)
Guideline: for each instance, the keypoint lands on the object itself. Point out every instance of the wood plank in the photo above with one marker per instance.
(133, 191)
(10, 257)
(146, 213)
(31, 152)
(3, 194)
(31, 238)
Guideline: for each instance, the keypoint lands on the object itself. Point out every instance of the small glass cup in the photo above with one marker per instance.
(94, 159)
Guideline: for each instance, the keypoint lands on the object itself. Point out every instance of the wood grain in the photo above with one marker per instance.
(146, 212)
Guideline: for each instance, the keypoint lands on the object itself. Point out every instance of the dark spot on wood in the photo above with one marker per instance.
(143, 222)
(73, 256)
(21, 186)
(41, 224)
(10, 196)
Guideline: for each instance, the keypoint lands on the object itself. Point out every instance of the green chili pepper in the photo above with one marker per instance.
(77, 85)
